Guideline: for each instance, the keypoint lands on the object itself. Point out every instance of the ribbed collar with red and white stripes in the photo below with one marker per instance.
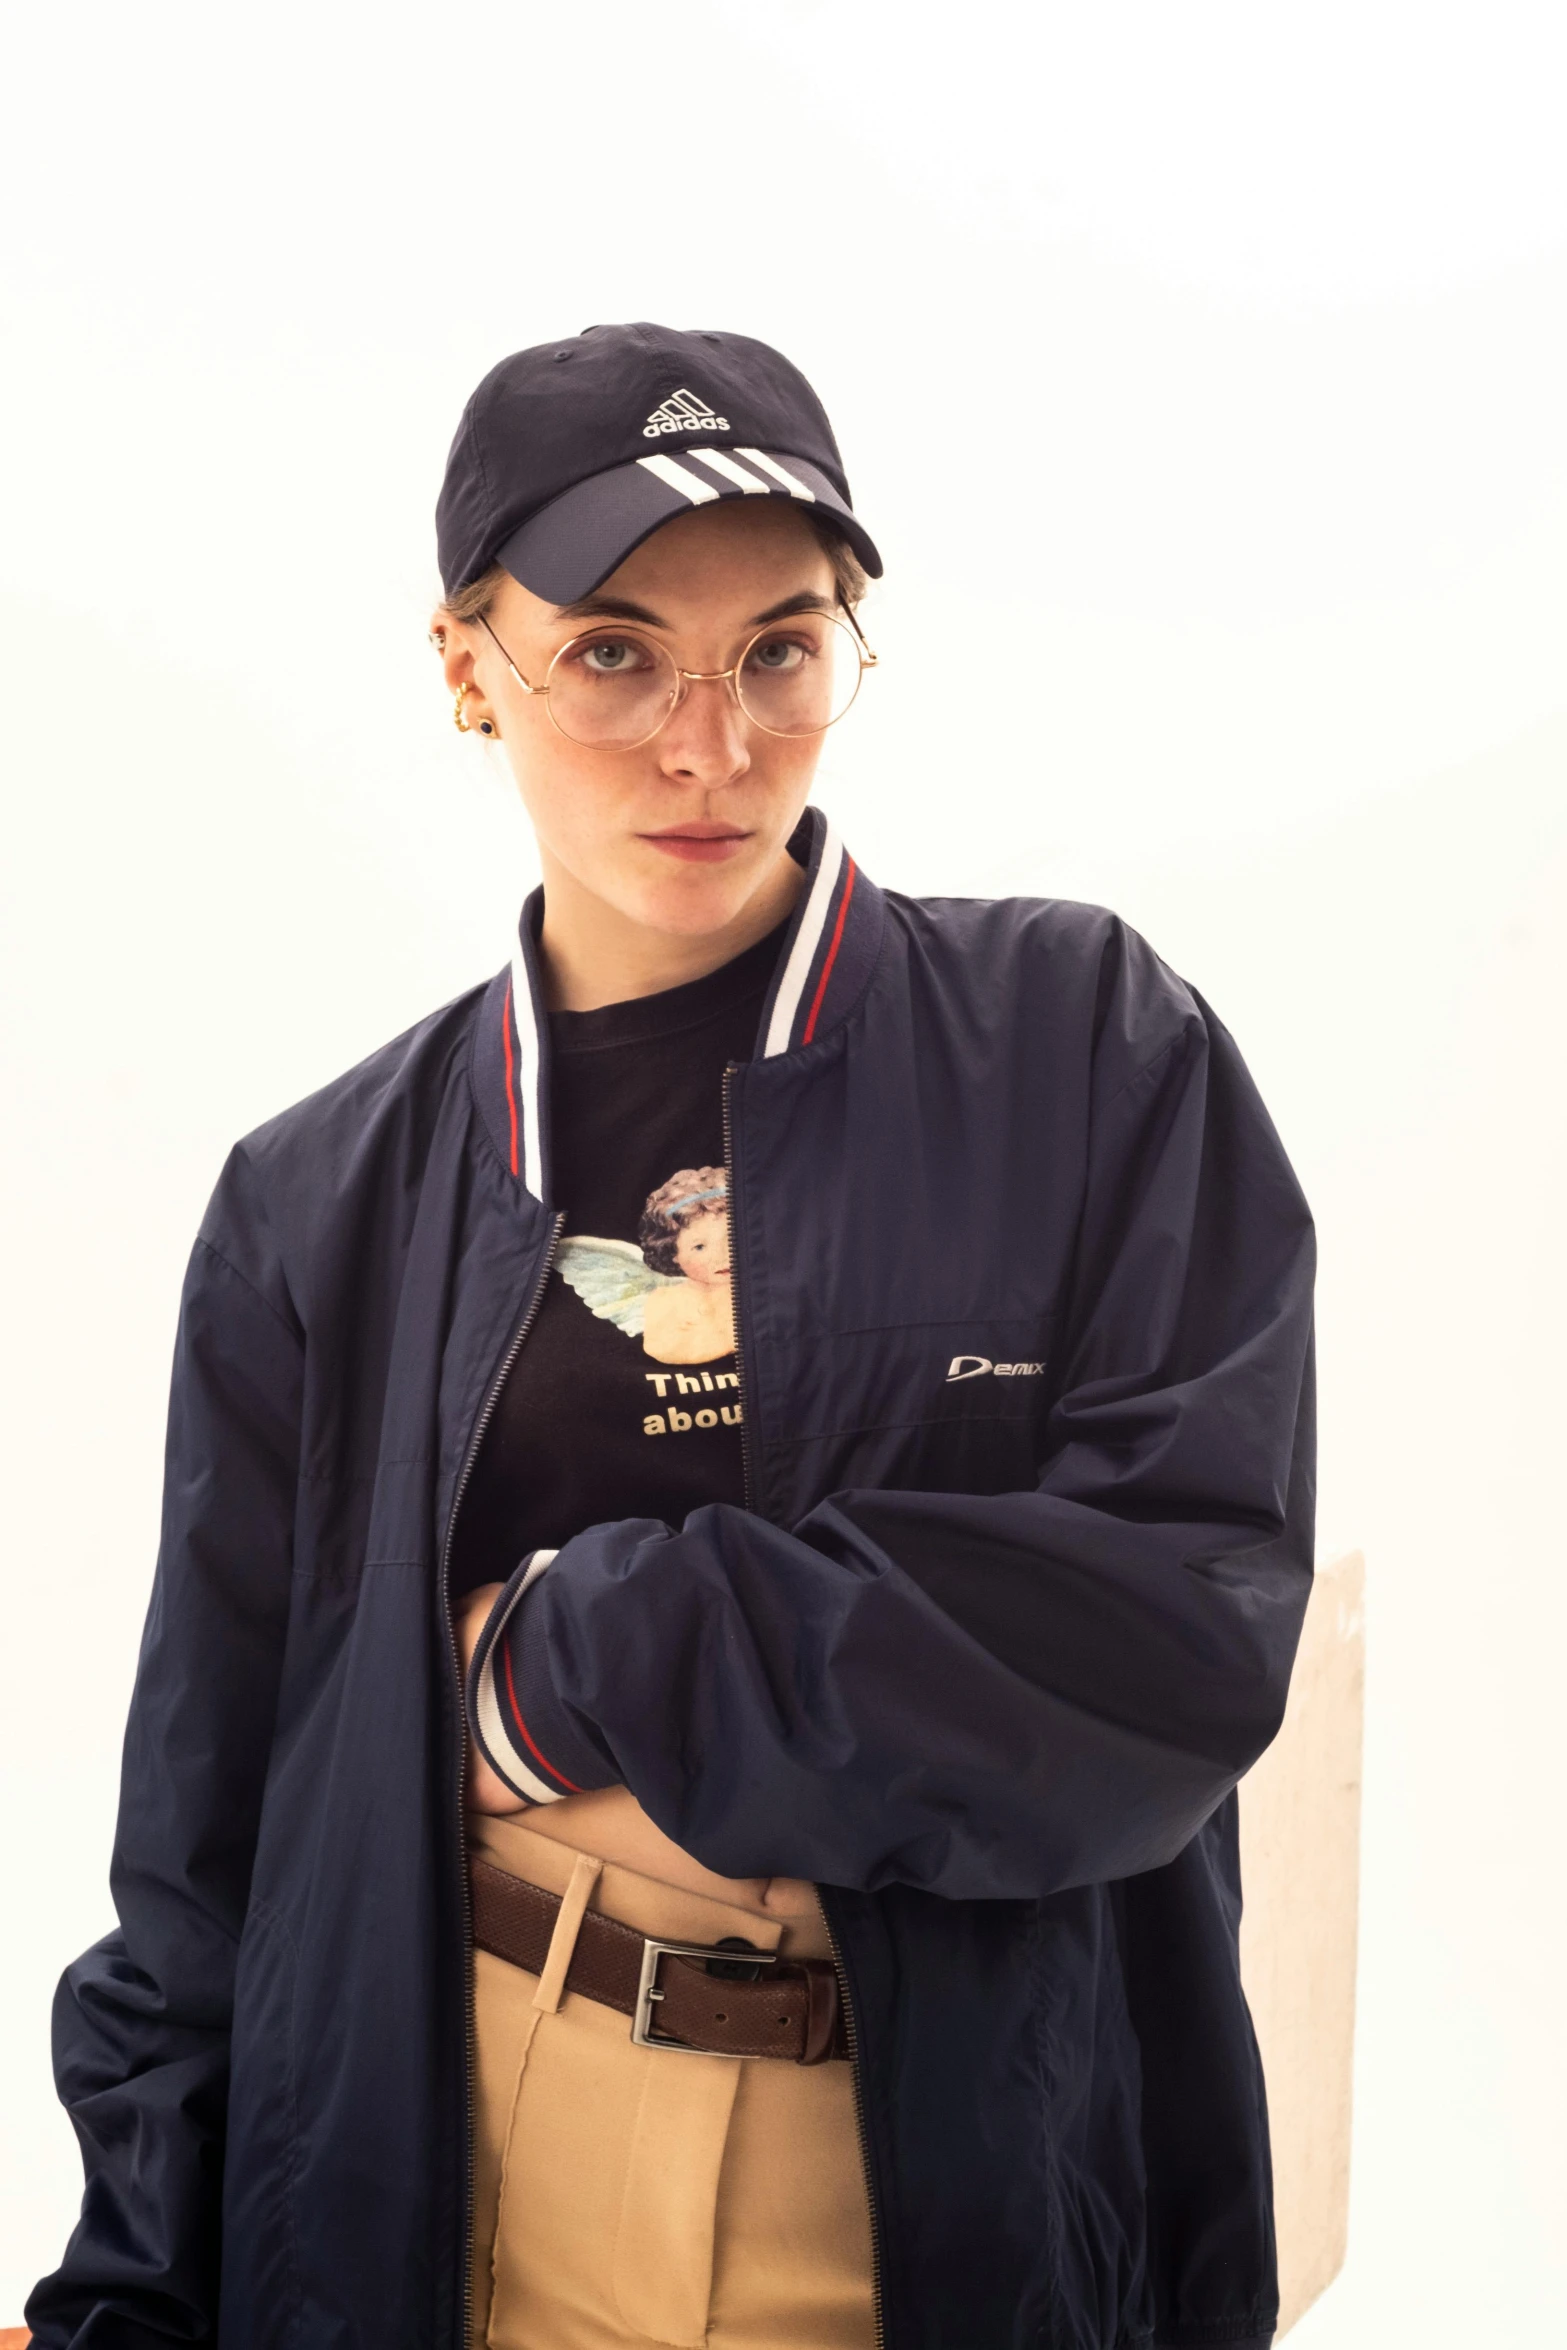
(824, 964)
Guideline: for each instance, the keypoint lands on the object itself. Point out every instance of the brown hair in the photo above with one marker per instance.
(849, 573)
(663, 1220)
(475, 600)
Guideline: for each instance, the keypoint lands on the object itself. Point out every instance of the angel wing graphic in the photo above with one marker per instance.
(613, 1280)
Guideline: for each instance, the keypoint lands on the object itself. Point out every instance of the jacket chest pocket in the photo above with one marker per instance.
(936, 1407)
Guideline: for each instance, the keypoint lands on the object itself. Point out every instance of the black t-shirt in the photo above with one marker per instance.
(624, 1401)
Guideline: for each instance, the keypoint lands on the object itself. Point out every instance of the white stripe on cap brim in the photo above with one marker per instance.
(721, 462)
(807, 939)
(690, 485)
(780, 473)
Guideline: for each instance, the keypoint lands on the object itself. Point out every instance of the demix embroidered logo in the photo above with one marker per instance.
(977, 1366)
(683, 412)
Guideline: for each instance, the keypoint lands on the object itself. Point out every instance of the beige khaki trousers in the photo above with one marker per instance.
(627, 2196)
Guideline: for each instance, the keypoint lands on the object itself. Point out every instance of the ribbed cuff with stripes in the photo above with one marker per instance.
(519, 1726)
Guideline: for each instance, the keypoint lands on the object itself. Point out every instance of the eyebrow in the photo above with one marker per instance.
(808, 600)
(621, 608)
(609, 608)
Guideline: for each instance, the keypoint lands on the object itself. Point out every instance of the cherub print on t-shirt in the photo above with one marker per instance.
(673, 1291)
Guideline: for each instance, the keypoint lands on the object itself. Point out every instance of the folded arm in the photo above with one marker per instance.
(982, 1695)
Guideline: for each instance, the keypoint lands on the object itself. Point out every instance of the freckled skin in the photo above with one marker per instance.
(622, 916)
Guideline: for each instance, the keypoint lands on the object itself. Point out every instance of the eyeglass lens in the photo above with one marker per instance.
(613, 689)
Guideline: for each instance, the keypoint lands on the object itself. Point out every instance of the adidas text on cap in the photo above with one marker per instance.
(569, 455)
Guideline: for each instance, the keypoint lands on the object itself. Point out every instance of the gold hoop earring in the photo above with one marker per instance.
(458, 720)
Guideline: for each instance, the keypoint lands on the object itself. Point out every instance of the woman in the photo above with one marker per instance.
(896, 1643)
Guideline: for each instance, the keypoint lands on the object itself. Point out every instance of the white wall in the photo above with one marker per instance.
(1202, 372)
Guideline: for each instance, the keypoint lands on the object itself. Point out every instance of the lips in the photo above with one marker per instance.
(698, 844)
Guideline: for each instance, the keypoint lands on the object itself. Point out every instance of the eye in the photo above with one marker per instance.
(776, 656)
(614, 656)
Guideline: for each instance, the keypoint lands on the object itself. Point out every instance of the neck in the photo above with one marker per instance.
(593, 954)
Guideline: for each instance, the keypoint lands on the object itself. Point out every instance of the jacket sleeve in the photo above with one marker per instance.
(985, 1695)
(141, 2026)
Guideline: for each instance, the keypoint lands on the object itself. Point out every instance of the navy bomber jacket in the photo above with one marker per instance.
(1023, 1293)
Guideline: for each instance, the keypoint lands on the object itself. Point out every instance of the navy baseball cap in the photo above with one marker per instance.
(570, 454)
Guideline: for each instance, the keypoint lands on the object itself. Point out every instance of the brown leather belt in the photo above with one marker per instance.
(722, 1999)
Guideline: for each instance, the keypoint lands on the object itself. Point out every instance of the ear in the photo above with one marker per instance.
(450, 639)
(453, 641)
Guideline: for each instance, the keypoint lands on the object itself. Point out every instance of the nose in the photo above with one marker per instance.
(706, 739)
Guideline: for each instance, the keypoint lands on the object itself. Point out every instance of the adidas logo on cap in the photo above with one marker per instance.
(683, 412)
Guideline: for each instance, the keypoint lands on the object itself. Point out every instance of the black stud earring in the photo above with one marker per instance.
(485, 726)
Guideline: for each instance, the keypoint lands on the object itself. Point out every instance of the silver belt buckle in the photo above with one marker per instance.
(649, 1994)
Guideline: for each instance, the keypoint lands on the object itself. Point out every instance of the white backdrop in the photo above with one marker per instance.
(1202, 374)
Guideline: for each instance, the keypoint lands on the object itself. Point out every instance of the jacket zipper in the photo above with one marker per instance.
(852, 2040)
(481, 1424)
(850, 2028)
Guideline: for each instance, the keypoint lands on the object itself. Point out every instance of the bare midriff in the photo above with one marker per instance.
(611, 1824)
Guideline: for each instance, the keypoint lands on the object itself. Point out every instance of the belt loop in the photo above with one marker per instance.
(552, 1982)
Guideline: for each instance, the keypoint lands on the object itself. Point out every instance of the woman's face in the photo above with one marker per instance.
(702, 1246)
(680, 834)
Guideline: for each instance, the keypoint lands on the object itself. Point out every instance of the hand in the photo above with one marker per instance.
(486, 1792)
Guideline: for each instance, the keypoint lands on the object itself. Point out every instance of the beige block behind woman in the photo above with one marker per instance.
(1300, 1866)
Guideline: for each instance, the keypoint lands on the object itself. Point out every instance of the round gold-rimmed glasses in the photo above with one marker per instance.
(612, 688)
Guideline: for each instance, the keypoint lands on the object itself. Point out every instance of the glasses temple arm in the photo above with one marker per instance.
(510, 663)
(868, 658)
